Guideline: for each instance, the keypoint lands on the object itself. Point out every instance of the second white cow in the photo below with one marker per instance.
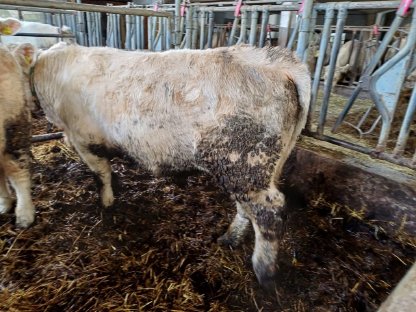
(36, 28)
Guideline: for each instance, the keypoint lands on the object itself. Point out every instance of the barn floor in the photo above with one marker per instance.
(156, 249)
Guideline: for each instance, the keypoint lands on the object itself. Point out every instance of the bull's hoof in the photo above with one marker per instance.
(5, 204)
(266, 275)
(227, 240)
(25, 220)
(107, 199)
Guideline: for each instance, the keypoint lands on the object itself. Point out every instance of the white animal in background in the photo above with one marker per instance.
(36, 28)
(233, 112)
(15, 128)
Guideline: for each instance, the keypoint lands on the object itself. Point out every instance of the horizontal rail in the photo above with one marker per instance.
(44, 35)
(30, 9)
(84, 7)
(47, 137)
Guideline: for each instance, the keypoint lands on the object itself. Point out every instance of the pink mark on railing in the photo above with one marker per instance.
(300, 11)
(156, 7)
(376, 31)
(405, 5)
(237, 11)
(183, 9)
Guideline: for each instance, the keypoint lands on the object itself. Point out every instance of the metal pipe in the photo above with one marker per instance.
(47, 137)
(91, 42)
(326, 34)
(83, 7)
(210, 28)
(311, 34)
(233, 30)
(150, 38)
(202, 30)
(194, 29)
(405, 129)
(99, 32)
(128, 41)
(30, 9)
(243, 28)
(294, 33)
(263, 29)
(304, 28)
(188, 28)
(177, 20)
(341, 18)
(253, 27)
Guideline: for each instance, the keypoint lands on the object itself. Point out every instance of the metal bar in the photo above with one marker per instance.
(47, 137)
(210, 29)
(304, 28)
(201, 30)
(326, 33)
(243, 28)
(188, 28)
(177, 20)
(44, 35)
(194, 29)
(83, 7)
(233, 30)
(311, 34)
(253, 28)
(341, 18)
(31, 9)
(128, 41)
(263, 28)
(405, 129)
(365, 150)
(294, 33)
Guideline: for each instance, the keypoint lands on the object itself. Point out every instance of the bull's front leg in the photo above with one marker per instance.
(101, 167)
(5, 197)
(17, 170)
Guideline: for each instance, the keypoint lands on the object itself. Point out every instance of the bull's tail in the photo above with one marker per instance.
(301, 79)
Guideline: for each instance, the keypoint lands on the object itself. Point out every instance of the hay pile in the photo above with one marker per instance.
(156, 249)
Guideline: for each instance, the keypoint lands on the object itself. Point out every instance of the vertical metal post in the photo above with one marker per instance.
(177, 40)
(326, 34)
(188, 28)
(263, 30)
(233, 30)
(311, 34)
(243, 28)
(150, 32)
(304, 27)
(253, 27)
(202, 29)
(194, 29)
(127, 43)
(341, 18)
(210, 28)
(405, 129)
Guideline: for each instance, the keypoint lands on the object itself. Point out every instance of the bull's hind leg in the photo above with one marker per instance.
(101, 167)
(237, 229)
(5, 197)
(265, 211)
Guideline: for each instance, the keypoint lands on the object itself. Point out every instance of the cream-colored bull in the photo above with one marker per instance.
(233, 112)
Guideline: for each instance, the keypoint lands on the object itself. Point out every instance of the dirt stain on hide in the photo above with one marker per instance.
(258, 152)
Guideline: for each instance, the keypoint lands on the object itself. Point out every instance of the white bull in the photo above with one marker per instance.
(36, 28)
(15, 128)
(233, 112)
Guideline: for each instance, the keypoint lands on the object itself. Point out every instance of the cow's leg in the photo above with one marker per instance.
(5, 197)
(100, 166)
(17, 171)
(237, 229)
(265, 215)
